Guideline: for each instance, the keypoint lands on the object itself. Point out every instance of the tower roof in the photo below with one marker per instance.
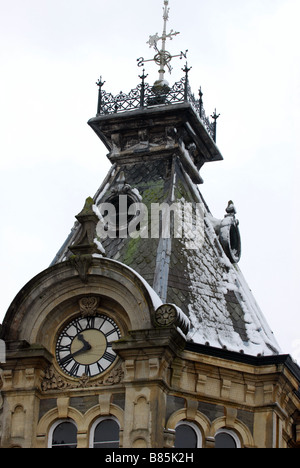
(156, 152)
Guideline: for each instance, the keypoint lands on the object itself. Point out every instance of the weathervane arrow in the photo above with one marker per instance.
(162, 57)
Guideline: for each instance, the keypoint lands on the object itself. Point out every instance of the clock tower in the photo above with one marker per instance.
(143, 332)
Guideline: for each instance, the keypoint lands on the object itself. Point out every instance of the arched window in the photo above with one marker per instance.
(227, 439)
(63, 435)
(105, 433)
(188, 435)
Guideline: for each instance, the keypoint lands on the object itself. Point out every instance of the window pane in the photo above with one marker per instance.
(65, 436)
(107, 434)
(186, 437)
(224, 440)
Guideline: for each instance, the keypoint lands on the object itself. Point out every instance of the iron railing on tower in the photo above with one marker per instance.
(145, 96)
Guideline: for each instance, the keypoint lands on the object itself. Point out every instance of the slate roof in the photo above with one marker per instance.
(203, 282)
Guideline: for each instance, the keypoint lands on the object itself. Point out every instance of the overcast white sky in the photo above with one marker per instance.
(244, 54)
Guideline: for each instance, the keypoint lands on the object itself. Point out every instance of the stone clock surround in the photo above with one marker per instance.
(46, 302)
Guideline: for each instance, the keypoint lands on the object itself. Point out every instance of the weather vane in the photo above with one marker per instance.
(162, 57)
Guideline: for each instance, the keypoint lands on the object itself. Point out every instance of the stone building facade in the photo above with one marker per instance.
(151, 337)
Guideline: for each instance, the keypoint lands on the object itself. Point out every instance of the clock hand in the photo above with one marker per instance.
(86, 347)
(81, 338)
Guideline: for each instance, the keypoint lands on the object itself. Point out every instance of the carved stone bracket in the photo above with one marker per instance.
(82, 264)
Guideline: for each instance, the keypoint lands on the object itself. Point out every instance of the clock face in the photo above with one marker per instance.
(85, 346)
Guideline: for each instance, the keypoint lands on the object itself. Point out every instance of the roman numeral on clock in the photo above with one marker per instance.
(75, 368)
(111, 332)
(108, 356)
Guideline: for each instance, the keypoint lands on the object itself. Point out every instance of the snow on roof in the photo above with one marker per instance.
(223, 311)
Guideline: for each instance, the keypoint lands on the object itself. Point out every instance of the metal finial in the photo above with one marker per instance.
(142, 97)
(200, 102)
(186, 70)
(215, 117)
(143, 76)
(100, 83)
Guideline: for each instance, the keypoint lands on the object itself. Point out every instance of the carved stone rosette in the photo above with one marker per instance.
(169, 315)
